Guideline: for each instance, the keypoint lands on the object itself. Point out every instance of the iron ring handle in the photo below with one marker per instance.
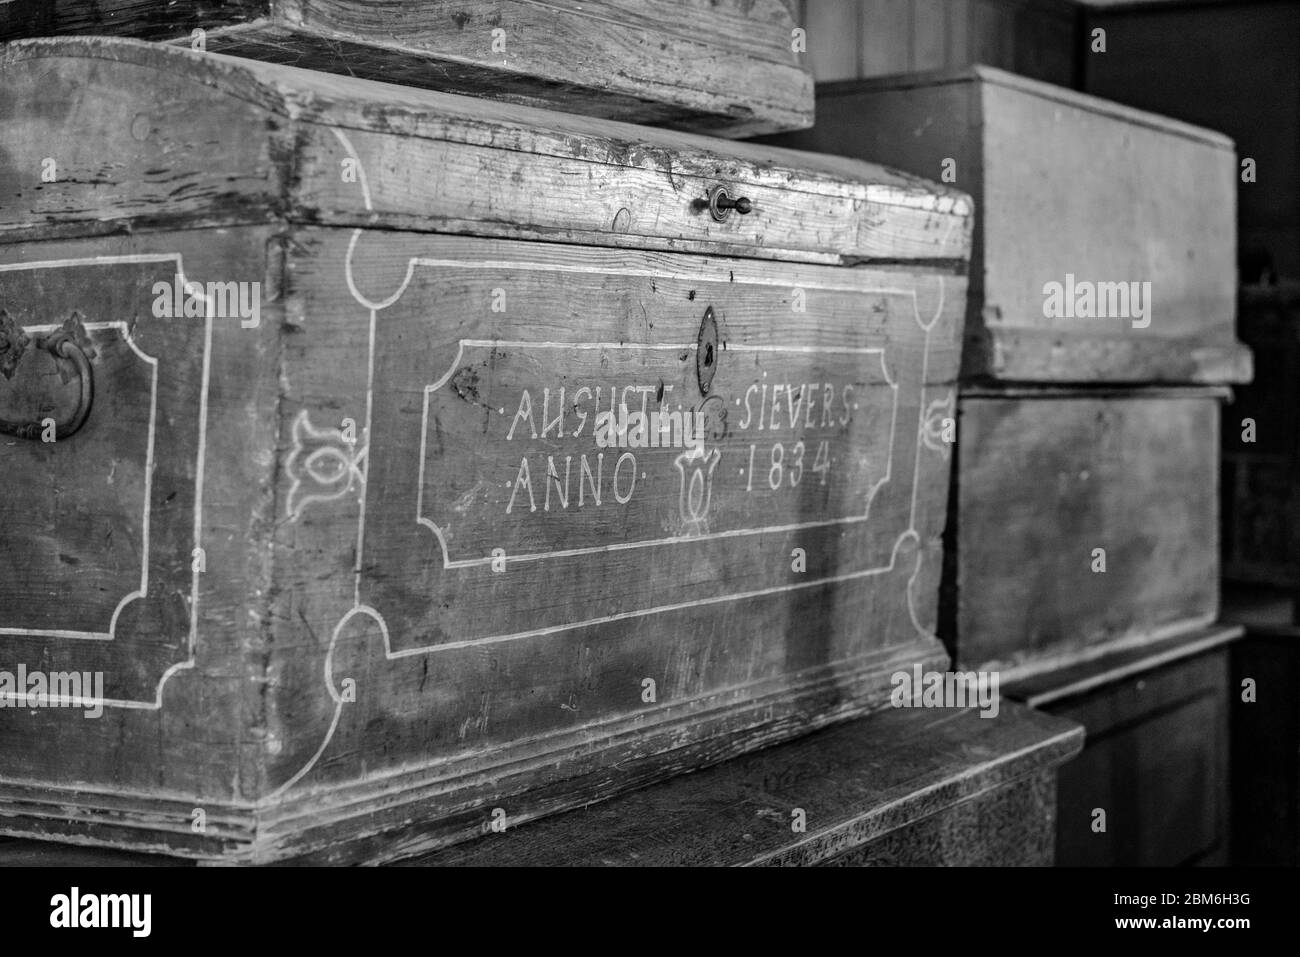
(62, 346)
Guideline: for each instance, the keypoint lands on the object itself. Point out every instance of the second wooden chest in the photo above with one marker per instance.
(1105, 249)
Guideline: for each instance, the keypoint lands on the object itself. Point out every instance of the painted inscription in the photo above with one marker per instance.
(786, 438)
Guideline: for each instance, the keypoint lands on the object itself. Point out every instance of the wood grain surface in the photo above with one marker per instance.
(901, 787)
(246, 141)
(863, 786)
(723, 67)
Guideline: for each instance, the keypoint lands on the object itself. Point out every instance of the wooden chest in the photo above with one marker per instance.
(336, 507)
(1105, 248)
(723, 67)
(1081, 519)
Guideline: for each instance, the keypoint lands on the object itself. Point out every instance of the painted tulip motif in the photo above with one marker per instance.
(696, 470)
(322, 466)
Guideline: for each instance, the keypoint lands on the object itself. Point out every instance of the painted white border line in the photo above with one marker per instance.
(358, 608)
(191, 640)
(148, 492)
(658, 273)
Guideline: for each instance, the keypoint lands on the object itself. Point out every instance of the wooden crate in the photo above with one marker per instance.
(1074, 191)
(362, 566)
(1045, 479)
(723, 67)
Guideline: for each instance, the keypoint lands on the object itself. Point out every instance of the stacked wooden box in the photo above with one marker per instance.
(358, 571)
(1082, 542)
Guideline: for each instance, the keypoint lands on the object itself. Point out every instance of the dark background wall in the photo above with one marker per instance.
(850, 39)
(1233, 67)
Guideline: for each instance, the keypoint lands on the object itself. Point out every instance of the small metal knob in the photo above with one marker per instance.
(721, 204)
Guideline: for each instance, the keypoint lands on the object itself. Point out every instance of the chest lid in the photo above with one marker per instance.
(104, 135)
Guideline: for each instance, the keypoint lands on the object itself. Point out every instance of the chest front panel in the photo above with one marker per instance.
(569, 487)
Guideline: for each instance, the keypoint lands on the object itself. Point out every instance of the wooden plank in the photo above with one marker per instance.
(858, 784)
(877, 791)
(433, 162)
(726, 67)
(1049, 683)
(22, 853)
(1012, 825)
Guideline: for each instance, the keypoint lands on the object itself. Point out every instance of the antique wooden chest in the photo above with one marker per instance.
(388, 461)
(1106, 246)
(723, 67)
(1080, 519)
